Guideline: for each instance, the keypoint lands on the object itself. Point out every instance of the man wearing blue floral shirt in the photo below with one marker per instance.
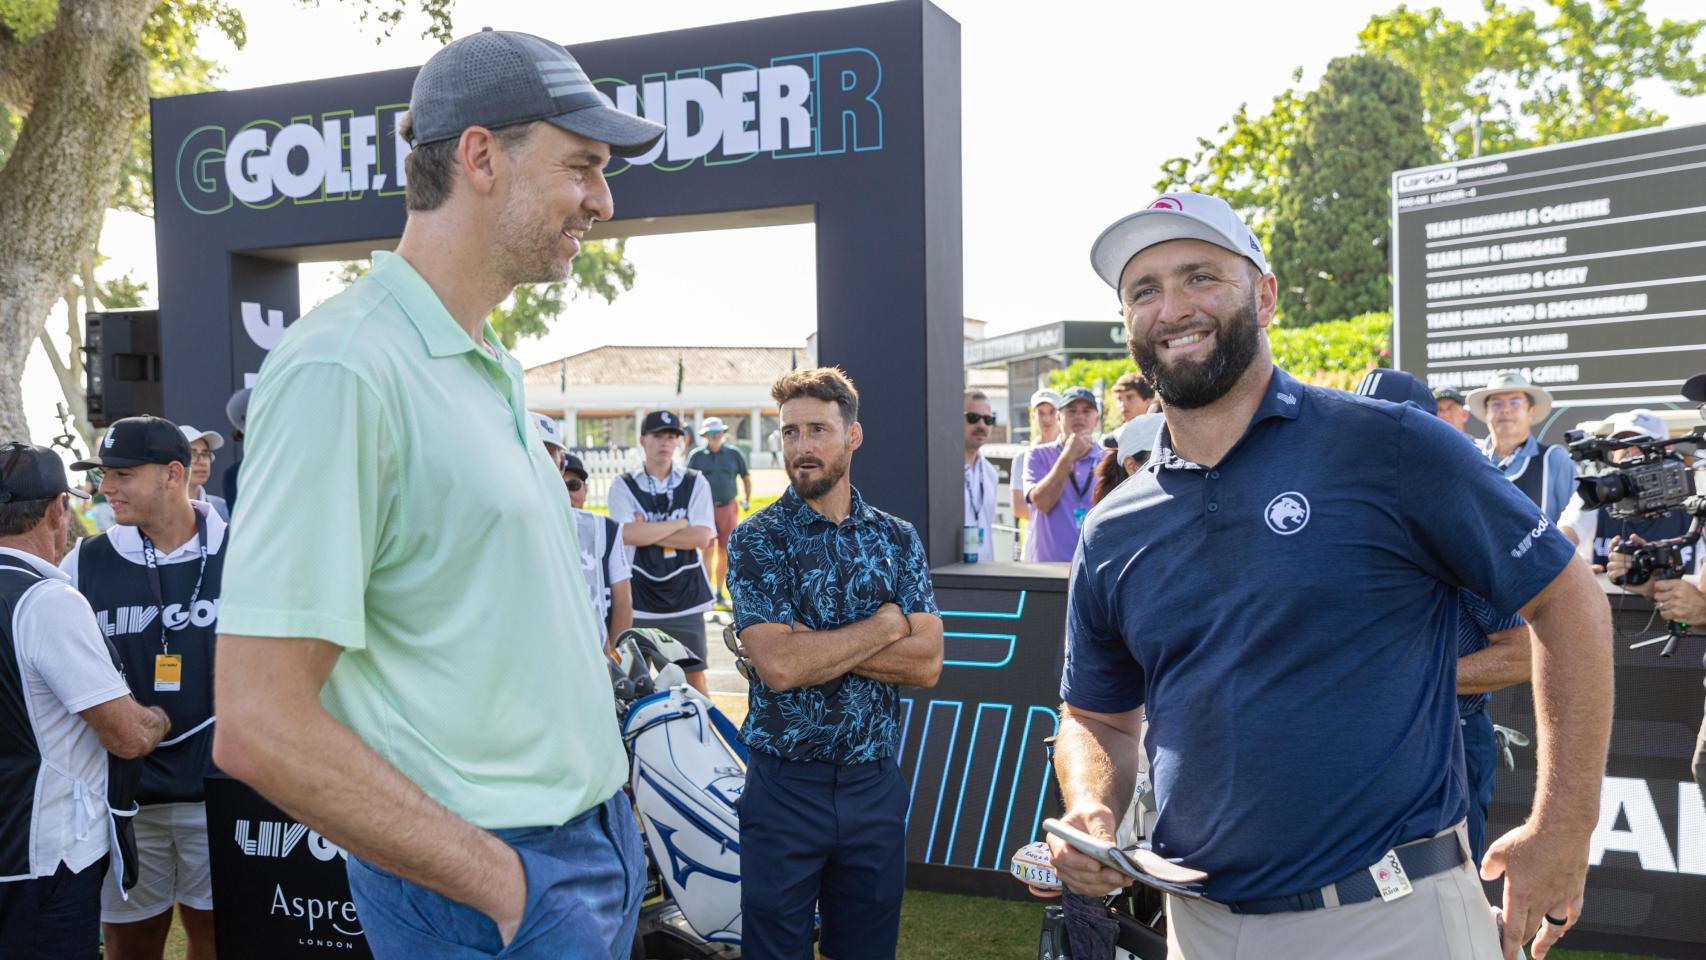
(834, 609)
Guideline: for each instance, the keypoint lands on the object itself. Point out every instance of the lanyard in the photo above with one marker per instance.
(976, 497)
(667, 493)
(1072, 477)
(148, 555)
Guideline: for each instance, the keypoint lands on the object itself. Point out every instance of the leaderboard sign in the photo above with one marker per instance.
(1583, 266)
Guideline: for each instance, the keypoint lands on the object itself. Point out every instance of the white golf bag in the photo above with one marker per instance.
(687, 774)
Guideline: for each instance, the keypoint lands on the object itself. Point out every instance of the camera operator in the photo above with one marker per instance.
(1594, 532)
(1681, 601)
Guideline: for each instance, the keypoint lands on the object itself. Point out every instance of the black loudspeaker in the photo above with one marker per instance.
(121, 364)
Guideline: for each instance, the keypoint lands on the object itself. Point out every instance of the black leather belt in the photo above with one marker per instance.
(1423, 858)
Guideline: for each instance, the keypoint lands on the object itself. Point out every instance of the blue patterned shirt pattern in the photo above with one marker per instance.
(1476, 621)
(790, 564)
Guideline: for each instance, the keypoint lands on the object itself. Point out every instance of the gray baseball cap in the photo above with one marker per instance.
(498, 78)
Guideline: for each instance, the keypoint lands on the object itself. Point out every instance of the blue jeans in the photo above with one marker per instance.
(584, 883)
(1480, 761)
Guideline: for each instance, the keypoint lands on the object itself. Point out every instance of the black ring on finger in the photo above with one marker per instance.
(1555, 921)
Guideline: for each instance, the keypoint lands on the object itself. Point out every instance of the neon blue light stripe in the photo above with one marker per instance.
(942, 789)
(1048, 774)
(965, 779)
(1012, 644)
(1016, 614)
(994, 774)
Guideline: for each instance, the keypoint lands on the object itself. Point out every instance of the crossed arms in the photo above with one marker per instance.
(889, 646)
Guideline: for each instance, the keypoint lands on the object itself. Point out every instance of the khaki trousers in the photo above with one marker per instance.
(1446, 917)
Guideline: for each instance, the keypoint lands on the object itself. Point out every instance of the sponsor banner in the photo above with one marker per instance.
(279, 888)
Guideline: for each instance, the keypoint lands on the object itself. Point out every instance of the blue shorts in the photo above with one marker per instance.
(825, 839)
(584, 883)
(1480, 761)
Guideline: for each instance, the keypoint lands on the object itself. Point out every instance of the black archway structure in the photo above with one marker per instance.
(849, 119)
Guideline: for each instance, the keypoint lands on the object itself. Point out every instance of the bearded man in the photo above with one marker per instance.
(1278, 589)
(833, 605)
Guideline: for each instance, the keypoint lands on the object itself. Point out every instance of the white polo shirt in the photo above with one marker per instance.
(66, 669)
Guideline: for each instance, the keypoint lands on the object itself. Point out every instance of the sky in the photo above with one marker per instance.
(1052, 152)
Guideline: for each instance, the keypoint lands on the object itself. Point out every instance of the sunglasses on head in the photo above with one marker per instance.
(987, 419)
(574, 484)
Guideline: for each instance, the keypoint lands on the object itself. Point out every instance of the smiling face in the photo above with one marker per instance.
(556, 192)
(817, 445)
(140, 494)
(1510, 415)
(1194, 314)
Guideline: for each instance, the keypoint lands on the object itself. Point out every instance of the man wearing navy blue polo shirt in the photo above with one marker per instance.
(1492, 649)
(834, 607)
(1276, 591)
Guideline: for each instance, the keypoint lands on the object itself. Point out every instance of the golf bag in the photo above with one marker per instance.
(687, 771)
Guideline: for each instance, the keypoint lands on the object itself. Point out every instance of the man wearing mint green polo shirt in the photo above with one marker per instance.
(407, 659)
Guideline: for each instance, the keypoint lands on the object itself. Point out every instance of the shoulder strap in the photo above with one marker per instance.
(633, 486)
(684, 491)
(610, 539)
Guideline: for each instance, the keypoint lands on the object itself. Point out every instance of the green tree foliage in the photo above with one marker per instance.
(1514, 78)
(1523, 82)
(1332, 354)
(1331, 226)
(1245, 164)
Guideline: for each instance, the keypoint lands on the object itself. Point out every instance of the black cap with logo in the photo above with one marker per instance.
(135, 441)
(572, 464)
(661, 421)
(29, 473)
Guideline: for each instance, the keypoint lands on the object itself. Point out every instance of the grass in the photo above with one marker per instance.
(942, 926)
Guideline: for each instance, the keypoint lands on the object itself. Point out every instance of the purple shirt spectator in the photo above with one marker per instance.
(1055, 532)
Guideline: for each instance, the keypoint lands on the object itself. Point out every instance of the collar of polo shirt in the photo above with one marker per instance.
(1283, 399)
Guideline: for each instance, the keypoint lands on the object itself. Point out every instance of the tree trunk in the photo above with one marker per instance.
(54, 188)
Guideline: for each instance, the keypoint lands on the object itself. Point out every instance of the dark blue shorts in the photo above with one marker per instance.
(584, 882)
(817, 837)
(1480, 761)
(53, 918)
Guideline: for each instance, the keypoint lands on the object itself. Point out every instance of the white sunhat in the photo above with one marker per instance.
(1508, 382)
(1173, 216)
(713, 425)
(191, 435)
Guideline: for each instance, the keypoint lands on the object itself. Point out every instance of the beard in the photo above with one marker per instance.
(526, 244)
(830, 474)
(1190, 384)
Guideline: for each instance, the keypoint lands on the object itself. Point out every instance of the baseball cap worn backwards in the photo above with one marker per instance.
(1173, 216)
(135, 441)
(498, 78)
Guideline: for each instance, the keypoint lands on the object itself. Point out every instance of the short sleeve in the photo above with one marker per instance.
(619, 501)
(700, 513)
(618, 569)
(1584, 523)
(61, 640)
(1100, 673)
(913, 590)
(1485, 535)
(758, 580)
(319, 483)
(740, 462)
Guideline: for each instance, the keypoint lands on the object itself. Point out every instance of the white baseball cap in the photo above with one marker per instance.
(1045, 396)
(1139, 435)
(1639, 424)
(1173, 216)
(548, 429)
(191, 435)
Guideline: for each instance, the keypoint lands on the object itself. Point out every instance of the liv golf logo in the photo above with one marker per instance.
(800, 105)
